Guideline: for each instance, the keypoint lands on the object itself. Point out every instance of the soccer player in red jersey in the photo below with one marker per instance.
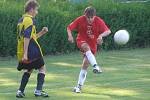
(91, 30)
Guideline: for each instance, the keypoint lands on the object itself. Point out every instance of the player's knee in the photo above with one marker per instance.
(85, 47)
(28, 71)
(42, 70)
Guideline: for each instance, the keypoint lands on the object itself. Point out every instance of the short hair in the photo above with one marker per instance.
(31, 4)
(90, 11)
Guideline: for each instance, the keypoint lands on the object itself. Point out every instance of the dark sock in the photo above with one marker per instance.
(24, 81)
(94, 65)
(40, 81)
(79, 86)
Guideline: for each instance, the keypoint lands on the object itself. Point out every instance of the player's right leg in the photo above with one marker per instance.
(82, 76)
(24, 81)
(91, 58)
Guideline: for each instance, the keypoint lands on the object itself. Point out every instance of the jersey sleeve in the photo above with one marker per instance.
(74, 24)
(102, 26)
(28, 24)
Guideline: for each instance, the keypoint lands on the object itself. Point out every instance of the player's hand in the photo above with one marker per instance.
(45, 30)
(100, 40)
(70, 39)
(25, 59)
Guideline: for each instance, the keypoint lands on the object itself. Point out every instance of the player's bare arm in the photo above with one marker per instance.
(42, 32)
(26, 45)
(100, 38)
(106, 33)
(70, 37)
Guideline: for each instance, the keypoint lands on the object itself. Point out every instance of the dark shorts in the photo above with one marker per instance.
(36, 64)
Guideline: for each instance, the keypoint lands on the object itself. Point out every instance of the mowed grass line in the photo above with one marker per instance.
(125, 77)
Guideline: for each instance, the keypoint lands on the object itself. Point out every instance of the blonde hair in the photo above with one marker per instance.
(31, 4)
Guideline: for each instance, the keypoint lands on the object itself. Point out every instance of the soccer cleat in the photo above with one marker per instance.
(39, 93)
(20, 94)
(97, 70)
(77, 90)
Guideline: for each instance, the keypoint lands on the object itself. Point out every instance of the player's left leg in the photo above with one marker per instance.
(40, 81)
(82, 75)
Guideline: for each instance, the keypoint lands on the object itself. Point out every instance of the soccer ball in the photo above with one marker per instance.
(121, 37)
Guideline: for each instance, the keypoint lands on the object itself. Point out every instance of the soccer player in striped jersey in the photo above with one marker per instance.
(29, 51)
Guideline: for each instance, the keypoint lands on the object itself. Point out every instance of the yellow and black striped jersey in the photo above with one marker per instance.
(26, 29)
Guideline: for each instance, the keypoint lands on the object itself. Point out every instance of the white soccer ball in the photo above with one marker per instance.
(121, 37)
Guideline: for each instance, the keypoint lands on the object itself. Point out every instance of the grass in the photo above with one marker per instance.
(125, 77)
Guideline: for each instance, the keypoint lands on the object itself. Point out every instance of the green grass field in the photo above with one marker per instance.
(126, 76)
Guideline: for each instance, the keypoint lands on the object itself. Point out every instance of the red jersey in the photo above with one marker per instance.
(88, 32)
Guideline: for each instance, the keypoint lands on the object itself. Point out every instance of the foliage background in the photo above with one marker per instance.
(134, 17)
